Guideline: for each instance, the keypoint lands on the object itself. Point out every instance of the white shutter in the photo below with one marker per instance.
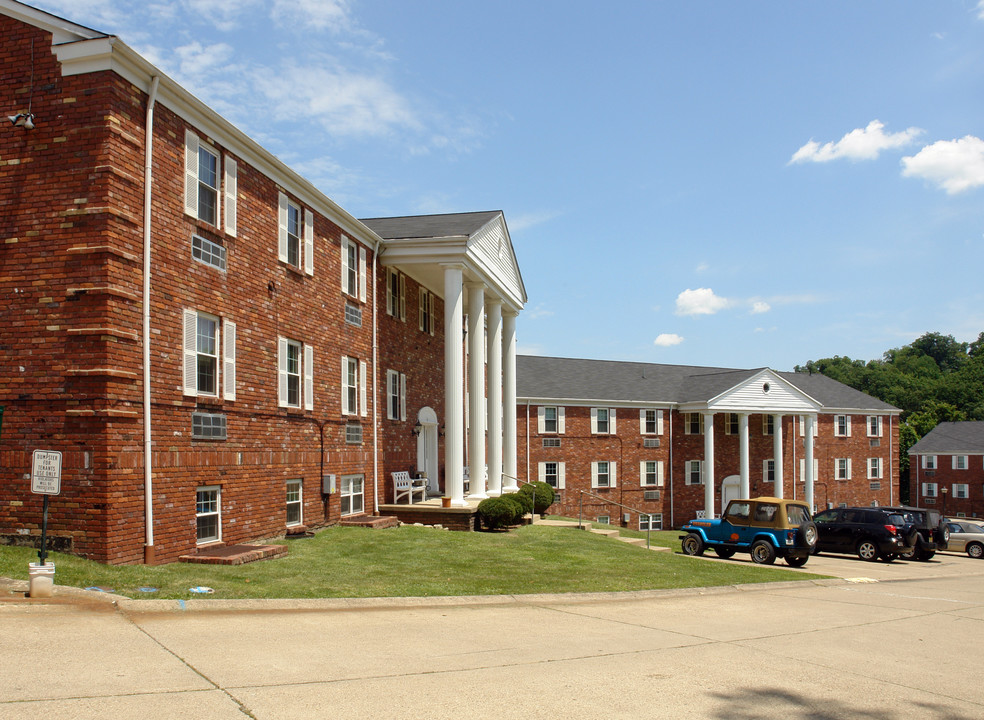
(594, 429)
(541, 469)
(561, 424)
(308, 377)
(560, 476)
(231, 195)
(431, 304)
(191, 353)
(308, 242)
(849, 426)
(282, 371)
(229, 359)
(540, 420)
(362, 274)
(611, 421)
(403, 296)
(403, 396)
(344, 247)
(801, 421)
(612, 473)
(421, 308)
(642, 422)
(849, 468)
(642, 473)
(765, 470)
(922, 461)
(282, 227)
(659, 422)
(879, 426)
(659, 472)
(363, 390)
(344, 386)
(191, 174)
(594, 474)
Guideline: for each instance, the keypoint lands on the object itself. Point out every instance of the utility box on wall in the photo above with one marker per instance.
(327, 484)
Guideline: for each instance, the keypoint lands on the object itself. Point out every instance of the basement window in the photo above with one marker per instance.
(208, 426)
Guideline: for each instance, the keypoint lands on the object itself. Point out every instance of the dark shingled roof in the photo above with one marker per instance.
(572, 379)
(952, 438)
(430, 226)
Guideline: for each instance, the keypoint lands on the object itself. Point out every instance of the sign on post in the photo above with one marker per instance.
(46, 472)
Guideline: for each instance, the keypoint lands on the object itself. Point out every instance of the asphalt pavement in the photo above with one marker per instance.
(883, 640)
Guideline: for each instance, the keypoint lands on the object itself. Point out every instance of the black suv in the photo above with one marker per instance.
(871, 532)
(933, 533)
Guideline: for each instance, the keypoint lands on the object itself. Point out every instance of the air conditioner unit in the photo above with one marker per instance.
(650, 442)
(650, 495)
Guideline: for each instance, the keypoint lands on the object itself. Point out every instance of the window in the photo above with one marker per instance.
(295, 369)
(208, 426)
(353, 314)
(425, 311)
(552, 473)
(551, 442)
(353, 434)
(842, 468)
(693, 423)
(769, 425)
(201, 189)
(294, 505)
(603, 474)
(296, 235)
(352, 494)
(651, 473)
(208, 514)
(769, 470)
(929, 490)
(201, 355)
(651, 522)
(354, 389)
(961, 491)
(396, 395)
(208, 252)
(602, 421)
(550, 420)
(651, 422)
(842, 426)
(731, 424)
(396, 291)
(694, 472)
(874, 468)
(604, 519)
(802, 426)
(929, 462)
(959, 462)
(802, 469)
(353, 269)
(874, 425)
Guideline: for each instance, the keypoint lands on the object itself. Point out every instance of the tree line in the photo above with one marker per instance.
(932, 380)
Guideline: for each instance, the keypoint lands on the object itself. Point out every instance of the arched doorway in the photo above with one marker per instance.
(427, 449)
(730, 490)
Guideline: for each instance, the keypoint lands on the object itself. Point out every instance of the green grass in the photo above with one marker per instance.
(416, 561)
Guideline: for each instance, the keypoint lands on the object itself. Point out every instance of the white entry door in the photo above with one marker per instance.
(427, 449)
(730, 490)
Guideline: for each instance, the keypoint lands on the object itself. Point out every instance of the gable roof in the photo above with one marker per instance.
(430, 226)
(952, 438)
(568, 379)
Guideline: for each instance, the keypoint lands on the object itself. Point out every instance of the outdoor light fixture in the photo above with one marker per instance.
(416, 429)
(24, 120)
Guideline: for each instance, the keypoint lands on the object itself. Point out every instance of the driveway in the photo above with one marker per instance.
(877, 646)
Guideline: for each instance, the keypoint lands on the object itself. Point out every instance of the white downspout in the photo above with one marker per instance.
(375, 383)
(149, 551)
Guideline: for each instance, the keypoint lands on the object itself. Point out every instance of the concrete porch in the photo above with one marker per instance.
(431, 512)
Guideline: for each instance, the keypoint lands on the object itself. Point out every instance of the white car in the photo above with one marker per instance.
(966, 537)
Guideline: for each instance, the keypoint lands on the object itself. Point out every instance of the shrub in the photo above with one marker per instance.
(497, 512)
(525, 502)
(542, 493)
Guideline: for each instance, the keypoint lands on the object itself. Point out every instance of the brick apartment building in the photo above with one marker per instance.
(218, 350)
(678, 441)
(946, 469)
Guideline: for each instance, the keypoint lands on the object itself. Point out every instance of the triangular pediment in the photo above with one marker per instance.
(764, 391)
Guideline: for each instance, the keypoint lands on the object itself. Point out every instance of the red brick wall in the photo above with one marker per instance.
(945, 476)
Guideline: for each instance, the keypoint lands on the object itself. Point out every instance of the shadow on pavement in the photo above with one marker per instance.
(766, 702)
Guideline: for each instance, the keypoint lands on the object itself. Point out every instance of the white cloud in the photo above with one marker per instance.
(759, 307)
(535, 313)
(954, 165)
(224, 14)
(980, 10)
(332, 15)
(701, 301)
(518, 223)
(703, 267)
(667, 340)
(859, 144)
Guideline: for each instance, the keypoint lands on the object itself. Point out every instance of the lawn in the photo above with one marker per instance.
(415, 561)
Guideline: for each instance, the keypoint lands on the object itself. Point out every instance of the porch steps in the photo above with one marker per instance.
(375, 522)
(234, 554)
(613, 533)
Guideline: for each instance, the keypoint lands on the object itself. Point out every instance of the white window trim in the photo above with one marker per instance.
(878, 428)
(849, 469)
(802, 469)
(594, 421)
(847, 429)
(542, 473)
(688, 472)
(875, 466)
(225, 366)
(801, 419)
(960, 491)
(306, 374)
(396, 389)
(767, 420)
(217, 489)
(396, 304)
(230, 195)
(765, 470)
(955, 464)
(926, 464)
(612, 475)
(642, 421)
(299, 501)
(643, 474)
(930, 490)
(687, 422)
(541, 420)
(350, 495)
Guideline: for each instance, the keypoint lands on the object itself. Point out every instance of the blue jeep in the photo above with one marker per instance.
(766, 527)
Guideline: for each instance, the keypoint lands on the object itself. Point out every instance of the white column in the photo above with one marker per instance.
(777, 453)
(810, 420)
(708, 465)
(476, 390)
(494, 371)
(454, 394)
(745, 490)
(509, 467)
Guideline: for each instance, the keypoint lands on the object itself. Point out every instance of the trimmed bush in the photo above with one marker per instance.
(543, 496)
(498, 512)
(525, 502)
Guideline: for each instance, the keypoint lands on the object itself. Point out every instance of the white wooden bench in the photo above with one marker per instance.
(407, 487)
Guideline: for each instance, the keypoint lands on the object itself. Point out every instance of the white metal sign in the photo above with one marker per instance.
(46, 472)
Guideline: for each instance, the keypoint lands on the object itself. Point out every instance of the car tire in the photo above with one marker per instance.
(797, 561)
(911, 539)
(975, 550)
(806, 536)
(763, 553)
(693, 545)
(926, 555)
(723, 552)
(867, 550)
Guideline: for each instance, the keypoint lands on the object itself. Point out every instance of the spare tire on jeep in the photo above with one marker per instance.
(806, 536)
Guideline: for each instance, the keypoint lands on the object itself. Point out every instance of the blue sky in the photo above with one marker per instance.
(739, 184)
